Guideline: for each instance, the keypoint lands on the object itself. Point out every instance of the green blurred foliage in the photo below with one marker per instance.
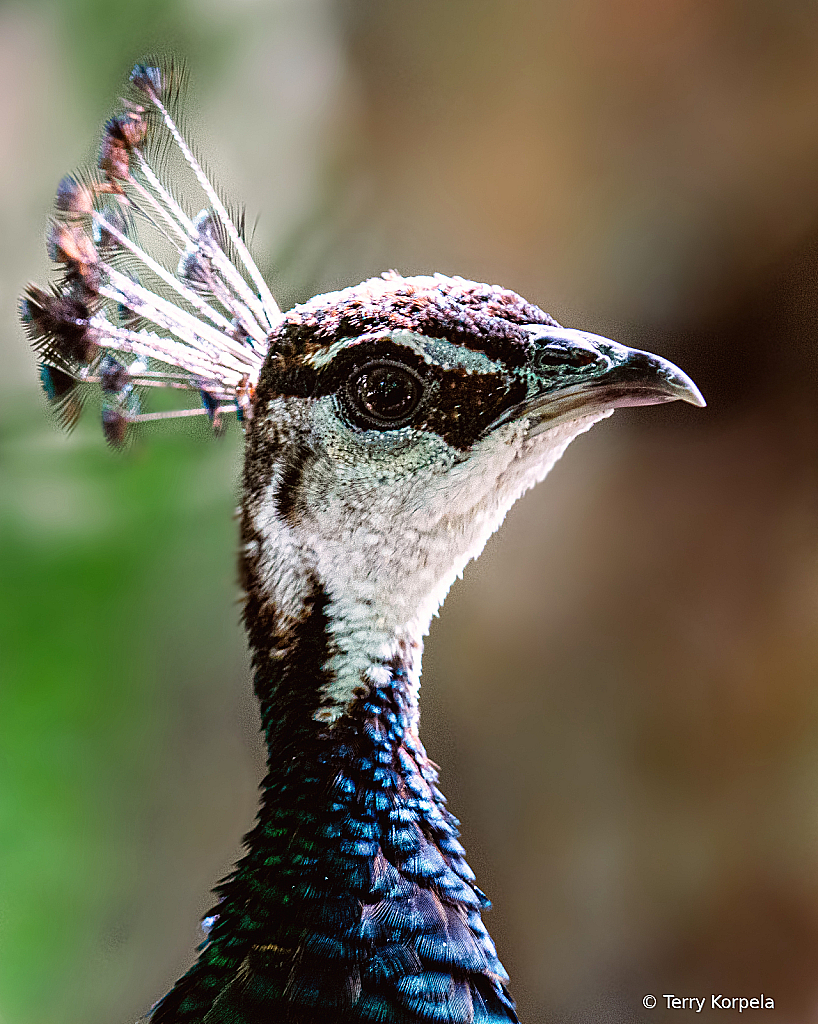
(104, 560)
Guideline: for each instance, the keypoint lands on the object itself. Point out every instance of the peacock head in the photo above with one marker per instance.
(396, 422)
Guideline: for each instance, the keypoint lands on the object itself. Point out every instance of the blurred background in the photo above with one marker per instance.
(622, 691)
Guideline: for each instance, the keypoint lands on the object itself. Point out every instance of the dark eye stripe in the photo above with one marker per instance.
(458, 407)
(466, 403)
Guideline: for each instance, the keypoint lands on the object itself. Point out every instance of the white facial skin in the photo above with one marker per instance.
(386, 521)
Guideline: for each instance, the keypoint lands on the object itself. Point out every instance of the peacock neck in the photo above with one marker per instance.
(353, 900)
(342, 804)
(340, 789)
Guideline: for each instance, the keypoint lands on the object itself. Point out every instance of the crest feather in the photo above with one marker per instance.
(189, 311)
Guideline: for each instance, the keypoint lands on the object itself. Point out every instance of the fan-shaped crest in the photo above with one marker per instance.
(194, 313)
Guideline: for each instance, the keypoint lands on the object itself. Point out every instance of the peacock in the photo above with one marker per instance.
(388, 429)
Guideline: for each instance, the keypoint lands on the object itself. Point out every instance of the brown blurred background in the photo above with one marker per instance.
(622, 692)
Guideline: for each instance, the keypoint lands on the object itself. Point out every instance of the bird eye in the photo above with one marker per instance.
(384, 395)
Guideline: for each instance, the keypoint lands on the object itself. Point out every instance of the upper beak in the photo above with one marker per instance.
(577, 373)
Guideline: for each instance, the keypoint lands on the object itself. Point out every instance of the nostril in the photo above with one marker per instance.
(558, 355)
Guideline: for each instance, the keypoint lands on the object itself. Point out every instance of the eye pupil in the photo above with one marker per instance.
(385, 394)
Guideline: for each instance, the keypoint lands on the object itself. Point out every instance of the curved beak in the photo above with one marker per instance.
(574, 374)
